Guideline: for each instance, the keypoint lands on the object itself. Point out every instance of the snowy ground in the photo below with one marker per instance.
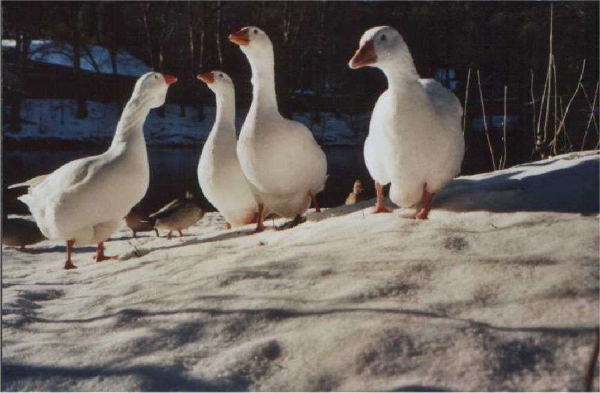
(55, 119)
(498, 290)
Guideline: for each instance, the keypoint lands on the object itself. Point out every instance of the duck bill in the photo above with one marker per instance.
(364, 56)
(169, 79)
(240, 38)
(207, 77)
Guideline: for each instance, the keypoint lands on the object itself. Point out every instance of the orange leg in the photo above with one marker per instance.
(68, 263)
(260, 226)
(180, 233)
(314, 202)
(379, 206)
(169, 235)
(100, 253)
(426, 202)
(227, 225)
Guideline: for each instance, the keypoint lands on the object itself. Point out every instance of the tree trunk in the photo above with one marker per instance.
(189, 65)
(218, 32)
(82, 112)
(283, 98)
(23, 41)
(201, 57)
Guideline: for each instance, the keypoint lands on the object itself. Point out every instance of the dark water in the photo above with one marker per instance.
(172, 172)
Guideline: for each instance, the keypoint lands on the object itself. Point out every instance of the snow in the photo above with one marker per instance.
(55, 119)
(498, 290)
(94, 58)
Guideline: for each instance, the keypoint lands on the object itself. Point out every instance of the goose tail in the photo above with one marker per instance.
(30, 183)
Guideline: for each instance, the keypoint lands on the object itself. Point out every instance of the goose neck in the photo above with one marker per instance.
(400, 72)
(225, 108)
(131, 124)
(263, 81)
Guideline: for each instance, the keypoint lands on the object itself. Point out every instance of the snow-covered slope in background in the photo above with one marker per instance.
(55, 119)
(93, 58)
(498, 290)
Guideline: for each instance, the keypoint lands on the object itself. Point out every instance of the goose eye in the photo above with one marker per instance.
(155, 76)
(220, 75)
(255, 31)
(383, 37)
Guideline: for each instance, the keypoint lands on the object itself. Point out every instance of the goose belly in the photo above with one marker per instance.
(107, 196)
(411, 146)
(224, 185)
(377, 152)
(283, 173)
(431, 157)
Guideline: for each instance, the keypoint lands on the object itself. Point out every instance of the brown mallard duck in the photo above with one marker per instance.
(138, 222)
(354, 196)
(18, 232)
(178, 215)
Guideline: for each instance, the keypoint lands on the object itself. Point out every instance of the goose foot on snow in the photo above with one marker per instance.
(259, 218)
(294, 223)
(68, 264)
(425, 207)
(100, 257)
(314, 202)
(379, 206)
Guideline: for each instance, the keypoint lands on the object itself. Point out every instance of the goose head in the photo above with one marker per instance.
(218, 81)
(254, 42)
(382, 47)
(152, 88)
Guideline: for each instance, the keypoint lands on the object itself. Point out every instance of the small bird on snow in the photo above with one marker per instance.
(138, 222)
(177, 215)
(18, 232)
(354, 196)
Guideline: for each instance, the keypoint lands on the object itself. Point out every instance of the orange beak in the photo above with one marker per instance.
(169, 79)
(240, 37)
(207, 77)
(364, 56)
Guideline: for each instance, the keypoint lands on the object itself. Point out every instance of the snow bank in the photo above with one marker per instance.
(497, 291)
(94, 58)
(55, 119)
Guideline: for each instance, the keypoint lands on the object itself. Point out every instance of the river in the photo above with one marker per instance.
(172, 173)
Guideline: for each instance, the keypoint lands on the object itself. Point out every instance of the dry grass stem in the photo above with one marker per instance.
(504, 155)
(487, 133)
(592, 116)
(466, 101)
(562, 122)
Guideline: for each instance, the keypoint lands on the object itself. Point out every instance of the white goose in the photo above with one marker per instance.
(415, 139)
(219, 173)
(84, 201)
(282, 161)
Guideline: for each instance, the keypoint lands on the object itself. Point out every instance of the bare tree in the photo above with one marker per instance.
(158, 28)
(75, 14)
(22, 44)
(218, 31)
